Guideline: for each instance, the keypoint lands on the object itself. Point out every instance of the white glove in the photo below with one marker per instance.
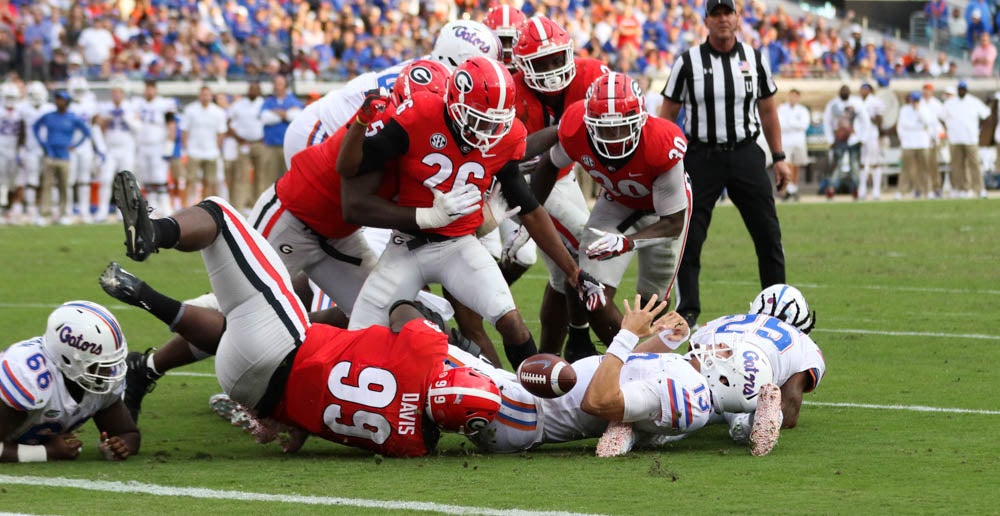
(449, 206)
(608, 246)
(498, 205)
(514, 244)
(591, 291)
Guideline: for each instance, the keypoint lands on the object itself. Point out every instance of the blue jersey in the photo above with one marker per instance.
(59, 128)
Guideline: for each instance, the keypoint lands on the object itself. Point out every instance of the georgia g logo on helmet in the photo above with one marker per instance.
(463, 81)
(420, 75)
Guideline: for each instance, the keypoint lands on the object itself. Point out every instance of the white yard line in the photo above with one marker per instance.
(977, 336)
(245, 496)
(910, 408)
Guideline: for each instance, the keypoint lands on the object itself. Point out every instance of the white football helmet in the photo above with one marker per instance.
(462, 39)
(735, 370)
(10, 94)
(785, 302)
(78, 87)
(37, 93)
(86, 343)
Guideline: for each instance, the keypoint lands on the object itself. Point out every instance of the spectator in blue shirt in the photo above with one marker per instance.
(277, 112)
(57, 140)
(977, 26)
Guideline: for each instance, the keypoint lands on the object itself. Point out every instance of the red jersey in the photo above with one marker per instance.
(366, 388)
(435, 159)
(629, 181)
(310, 189)
(537, 116)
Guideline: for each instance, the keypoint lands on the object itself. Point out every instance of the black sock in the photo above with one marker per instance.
(517, 354)
(167, 232)
(579, 335)
(162, 307)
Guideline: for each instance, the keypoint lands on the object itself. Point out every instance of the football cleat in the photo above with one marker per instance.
(262, 430)
(140, 238)
(121, 284)
(578, 348)
(618, 439)
(139, 381)
(766, 421)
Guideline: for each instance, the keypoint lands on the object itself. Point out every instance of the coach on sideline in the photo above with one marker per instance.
(728, 97)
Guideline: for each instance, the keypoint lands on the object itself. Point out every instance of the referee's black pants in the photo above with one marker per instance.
(741, 171)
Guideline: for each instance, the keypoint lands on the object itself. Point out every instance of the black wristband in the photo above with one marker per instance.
(777, 156)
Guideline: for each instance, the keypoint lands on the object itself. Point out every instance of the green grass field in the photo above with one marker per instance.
(906, 295)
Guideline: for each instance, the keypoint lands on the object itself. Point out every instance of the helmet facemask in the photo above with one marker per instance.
(615, 136)
(482, 130)
(734, 372)
(550, 70)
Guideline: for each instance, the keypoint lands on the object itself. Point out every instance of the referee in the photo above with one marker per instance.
(728, 96)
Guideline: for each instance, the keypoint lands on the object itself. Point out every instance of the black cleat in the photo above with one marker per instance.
(121, 285)
(139, 381)
(692, 319)
(578, 349)
(139, 234)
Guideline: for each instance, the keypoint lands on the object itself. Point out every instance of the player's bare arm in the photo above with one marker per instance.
(544, 177)
(539, 142)
(351, 154)
(604, 397)
(791, 398)
(119, 435)
(669, 109)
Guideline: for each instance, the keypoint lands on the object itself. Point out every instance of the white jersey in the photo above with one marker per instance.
(123, 123)
(31, 115)
(338, 106)
(29, 382)
(10, 128)
(874, 107)
(152, 116)
(86, 109)
(789, 350)
(525, 420)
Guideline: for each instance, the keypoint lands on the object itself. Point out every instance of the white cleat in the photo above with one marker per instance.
(766, 421)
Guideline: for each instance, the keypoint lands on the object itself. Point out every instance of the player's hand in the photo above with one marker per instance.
(591, 291)
(637, 318)
(782, 174)
(449, 206)
(672, 329)
(498, 205)
(513, 244)
(64, 447)
(608, 246)
(113, 448)
(374, 104)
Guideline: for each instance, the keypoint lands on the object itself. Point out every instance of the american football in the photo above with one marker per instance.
(546, 375)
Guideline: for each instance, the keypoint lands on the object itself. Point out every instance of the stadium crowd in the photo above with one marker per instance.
(51, 40)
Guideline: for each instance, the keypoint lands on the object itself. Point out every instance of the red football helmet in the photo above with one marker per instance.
(504, 20)
(481, 101)
(616, 113)
(544, 54)
(420, 75)
(463, 400)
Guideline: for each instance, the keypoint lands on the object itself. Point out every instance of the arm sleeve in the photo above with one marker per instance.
(767, 86)
(675, 88)
(515, 190)
(670, 191)
(559, 157)
(387, 144)
(641, 401)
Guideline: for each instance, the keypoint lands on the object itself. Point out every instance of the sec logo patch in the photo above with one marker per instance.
(438, 141)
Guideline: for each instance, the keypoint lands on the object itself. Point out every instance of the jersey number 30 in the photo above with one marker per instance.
(376, 388)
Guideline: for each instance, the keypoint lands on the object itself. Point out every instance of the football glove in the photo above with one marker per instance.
(512, 245)
(375, 102)
(609, 245)
(449, 206)
(591, 291)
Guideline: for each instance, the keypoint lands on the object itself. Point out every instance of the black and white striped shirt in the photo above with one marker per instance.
(719, 92)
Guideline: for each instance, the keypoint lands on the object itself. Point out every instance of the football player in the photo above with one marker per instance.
(11, 137)
(504, 21)
(120, 121)
(549, 80)
(439, 145)
(638, 160)
(155, 142)
(658, 396)
(52, 384)
(33, 108)
(778, 323)
(84, 158)
(383, 389)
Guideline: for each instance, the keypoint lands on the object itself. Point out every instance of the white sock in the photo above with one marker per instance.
(152, 365)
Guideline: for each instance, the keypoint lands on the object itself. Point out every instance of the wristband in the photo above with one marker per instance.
(623, 344)
(777, 156)
(35, 453)
(357, 121)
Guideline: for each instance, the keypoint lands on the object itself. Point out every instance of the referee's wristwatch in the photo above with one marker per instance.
(777, 156)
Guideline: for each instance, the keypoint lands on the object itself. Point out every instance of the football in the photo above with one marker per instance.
(546, 375)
